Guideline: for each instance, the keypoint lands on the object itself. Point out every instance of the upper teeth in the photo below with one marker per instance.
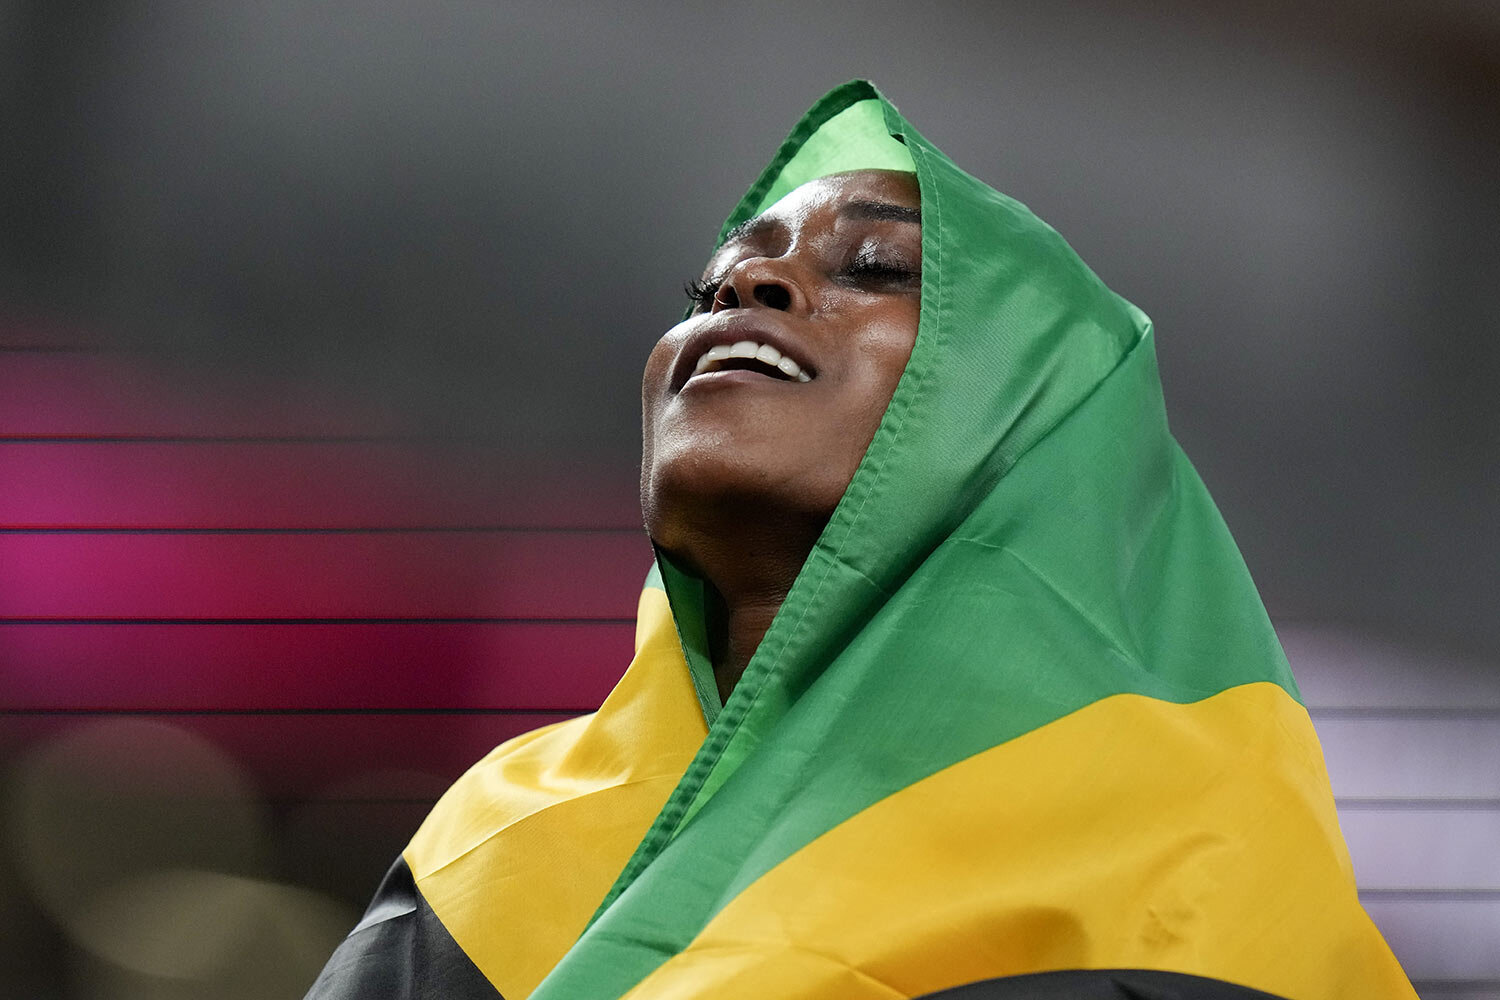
(750, 349)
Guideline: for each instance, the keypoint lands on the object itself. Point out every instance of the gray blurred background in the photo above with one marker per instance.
(478, 215)
(470, 221)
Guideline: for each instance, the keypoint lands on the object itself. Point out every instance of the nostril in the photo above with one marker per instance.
(773, 296)
(726, 298)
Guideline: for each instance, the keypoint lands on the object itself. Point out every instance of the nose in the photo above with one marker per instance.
(771, 282)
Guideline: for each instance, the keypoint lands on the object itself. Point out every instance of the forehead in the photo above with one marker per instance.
(894, 186)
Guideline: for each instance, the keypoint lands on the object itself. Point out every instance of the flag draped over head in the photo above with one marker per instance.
(1020, 724)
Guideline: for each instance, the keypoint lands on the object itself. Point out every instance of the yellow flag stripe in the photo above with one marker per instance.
(1133, 833)
(518, 853)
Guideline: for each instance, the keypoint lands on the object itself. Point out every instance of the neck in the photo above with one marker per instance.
(734, 634)
(749, 565)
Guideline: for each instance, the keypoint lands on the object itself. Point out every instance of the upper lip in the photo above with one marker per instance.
(764, 326)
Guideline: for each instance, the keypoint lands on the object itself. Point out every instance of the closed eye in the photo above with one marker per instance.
(871, 266)
(701, 292)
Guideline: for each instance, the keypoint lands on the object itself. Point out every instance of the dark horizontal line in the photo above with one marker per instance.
(1418, 805)
(404, 799)
(406, 439)
(475, 620)
(203, 439)
(1403, 713)
(1493, 802)
(1449, 985)
(1431, 895)
(353, 800)
(176, 712)
(368, 530)
(49, 349)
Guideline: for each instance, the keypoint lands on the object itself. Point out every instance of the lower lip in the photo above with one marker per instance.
(734, 376)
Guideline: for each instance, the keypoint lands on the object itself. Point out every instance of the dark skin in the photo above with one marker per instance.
(745, 459)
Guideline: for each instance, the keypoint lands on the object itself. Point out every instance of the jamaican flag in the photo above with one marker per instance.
(1020, 729)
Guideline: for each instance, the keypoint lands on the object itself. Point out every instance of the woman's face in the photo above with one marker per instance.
(824, 288)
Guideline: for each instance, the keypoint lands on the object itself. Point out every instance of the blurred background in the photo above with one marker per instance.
(320, 335)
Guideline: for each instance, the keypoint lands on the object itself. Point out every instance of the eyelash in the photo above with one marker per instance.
(865, 265)
(869, 264)
(701, 293)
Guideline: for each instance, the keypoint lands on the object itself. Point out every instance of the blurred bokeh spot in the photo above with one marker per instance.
(148, 848)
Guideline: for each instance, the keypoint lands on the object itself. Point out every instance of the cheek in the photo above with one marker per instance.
(655, 378)
(656, 395)
(887, 346)
(657, 364)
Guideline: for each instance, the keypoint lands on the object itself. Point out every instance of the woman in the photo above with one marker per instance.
(949, 676)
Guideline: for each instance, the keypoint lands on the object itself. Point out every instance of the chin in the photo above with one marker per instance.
(708, 491)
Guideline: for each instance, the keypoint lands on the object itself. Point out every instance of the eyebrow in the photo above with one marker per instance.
(882, 211)
(875, 211)
(748, 228)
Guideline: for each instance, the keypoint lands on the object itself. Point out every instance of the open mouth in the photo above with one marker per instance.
(747, 355)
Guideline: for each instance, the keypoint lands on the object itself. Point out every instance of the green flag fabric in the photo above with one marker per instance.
(1021, 713)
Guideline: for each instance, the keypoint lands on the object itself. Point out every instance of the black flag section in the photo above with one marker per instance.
(400, 950)
(1102, 984)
